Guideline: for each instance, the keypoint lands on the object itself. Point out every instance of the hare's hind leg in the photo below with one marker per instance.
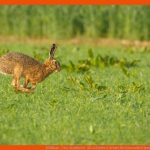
(16, 77)
(16, 82)
(13, 83)
(25, 87)
(33, 86)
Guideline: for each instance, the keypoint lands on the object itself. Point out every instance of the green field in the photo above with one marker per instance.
(101, 96)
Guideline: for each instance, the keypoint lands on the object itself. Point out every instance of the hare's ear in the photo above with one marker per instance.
(52, 51)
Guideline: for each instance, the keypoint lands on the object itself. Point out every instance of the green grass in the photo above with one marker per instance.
(106, 104)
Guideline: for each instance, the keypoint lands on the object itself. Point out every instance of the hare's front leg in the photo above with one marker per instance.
(26, 82)
(16, 80)
(33, 86)
(29, 89)
(16, 77)
(13, 83)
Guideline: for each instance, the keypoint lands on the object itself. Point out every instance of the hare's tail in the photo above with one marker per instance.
(6, 67)
(4, 70)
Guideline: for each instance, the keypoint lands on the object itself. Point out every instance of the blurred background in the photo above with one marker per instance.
(123, 22)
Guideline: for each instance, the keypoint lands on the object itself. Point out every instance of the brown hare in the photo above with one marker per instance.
(20, 65)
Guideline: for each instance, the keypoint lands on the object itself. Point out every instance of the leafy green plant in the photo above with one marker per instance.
(133, 87)
(98, 61)
(86, 83)
(128, 64)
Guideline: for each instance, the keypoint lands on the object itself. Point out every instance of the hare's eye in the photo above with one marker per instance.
(55, 63)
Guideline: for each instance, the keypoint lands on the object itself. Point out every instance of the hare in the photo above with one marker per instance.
(20, 65)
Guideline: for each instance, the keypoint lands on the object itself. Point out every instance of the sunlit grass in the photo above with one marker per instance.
(100, 105)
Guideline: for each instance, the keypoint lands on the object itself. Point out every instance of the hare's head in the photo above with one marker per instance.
(51, 63)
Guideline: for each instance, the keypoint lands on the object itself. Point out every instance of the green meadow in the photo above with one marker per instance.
(102, 93)
(101, 96)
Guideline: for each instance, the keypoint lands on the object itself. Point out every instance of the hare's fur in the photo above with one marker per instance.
(20, 65)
